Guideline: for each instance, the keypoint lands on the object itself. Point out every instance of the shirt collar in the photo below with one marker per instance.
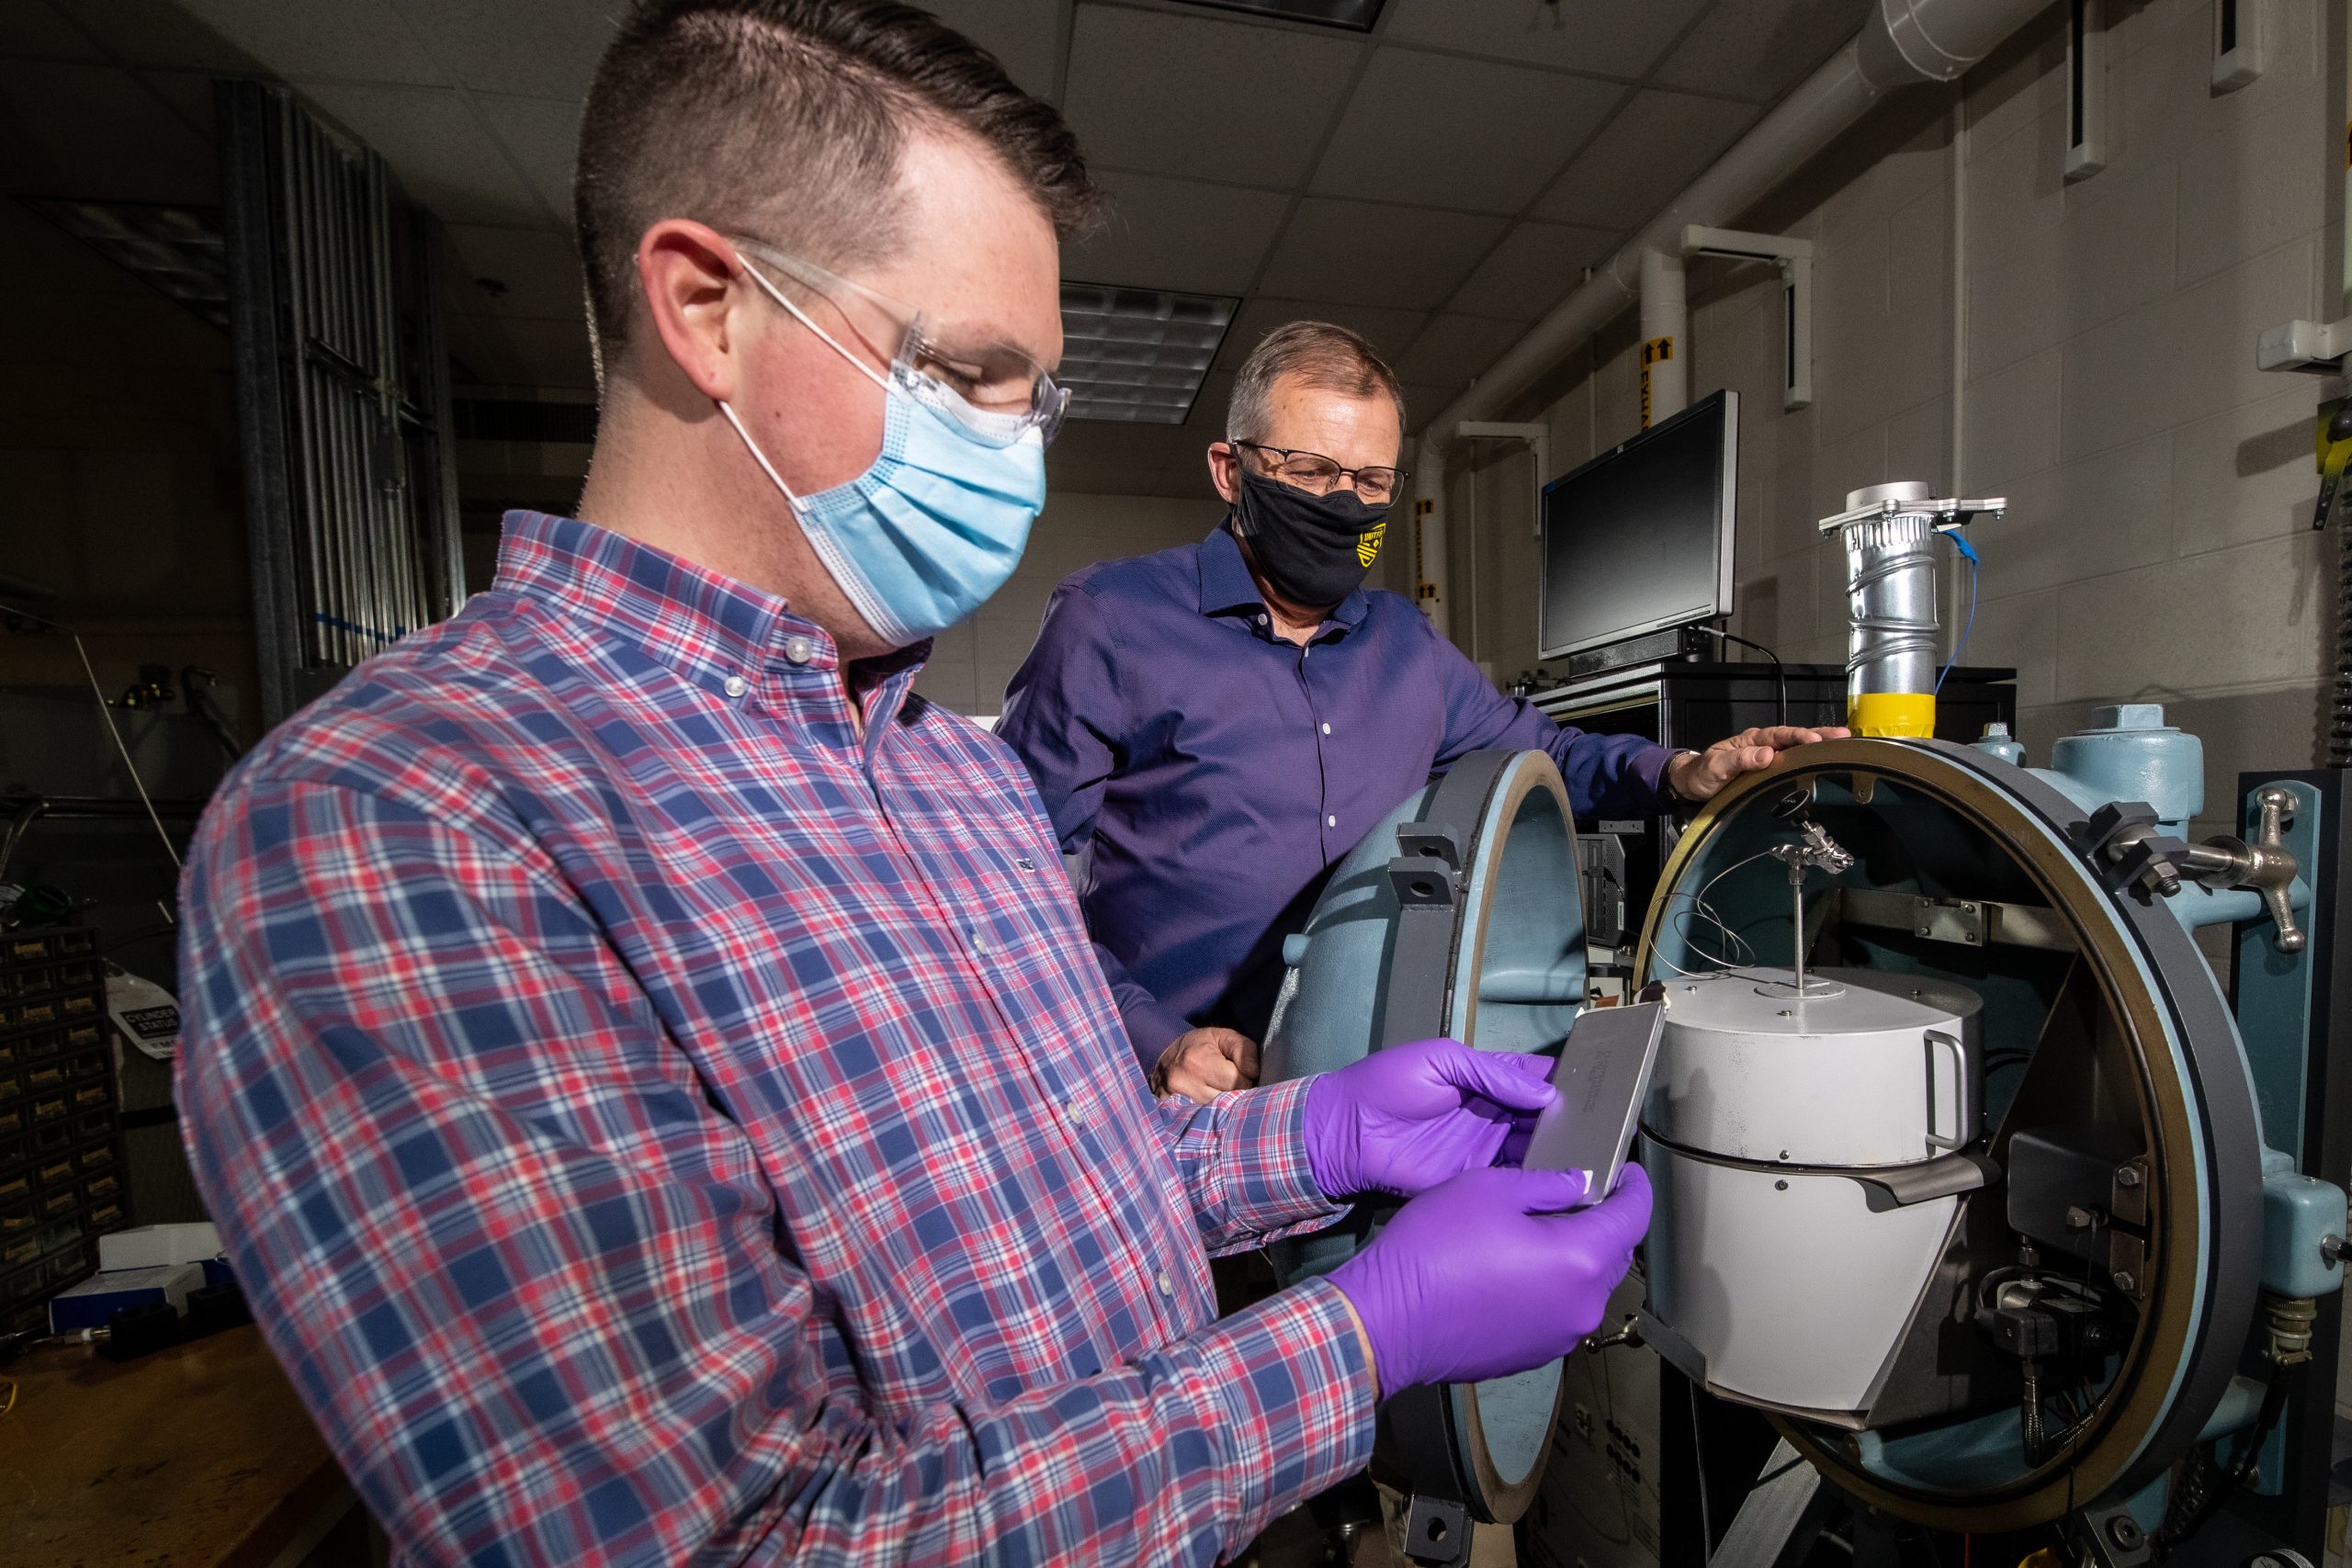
(1226, 585)
(707, 627)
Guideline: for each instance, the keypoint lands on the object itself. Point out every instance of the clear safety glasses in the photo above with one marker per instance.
(993, 391)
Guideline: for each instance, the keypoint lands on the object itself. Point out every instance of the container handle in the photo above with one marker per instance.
(1964, 1094)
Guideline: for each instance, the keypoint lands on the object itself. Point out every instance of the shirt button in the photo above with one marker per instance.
(1327, 729)
(1072, 1109)
(799, 650)
(1167, 1285)
(1331, 821)
(737, 685)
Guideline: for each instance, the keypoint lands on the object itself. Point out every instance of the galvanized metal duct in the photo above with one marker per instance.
(1904, 44)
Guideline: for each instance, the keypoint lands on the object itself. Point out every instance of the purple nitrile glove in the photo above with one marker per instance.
(1404, 1119)
(1486, 1276)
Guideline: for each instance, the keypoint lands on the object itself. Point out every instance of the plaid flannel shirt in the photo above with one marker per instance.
(657, 1124)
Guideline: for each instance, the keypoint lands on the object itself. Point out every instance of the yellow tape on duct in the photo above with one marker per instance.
(1897, 714)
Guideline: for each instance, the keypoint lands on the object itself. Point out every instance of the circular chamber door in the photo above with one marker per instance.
(1459, 915)
(2116, 1141)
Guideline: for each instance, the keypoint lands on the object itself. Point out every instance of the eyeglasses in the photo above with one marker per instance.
(995, 391)
(1315, 474)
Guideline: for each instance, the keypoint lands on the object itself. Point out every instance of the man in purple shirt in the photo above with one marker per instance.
(1213, 727)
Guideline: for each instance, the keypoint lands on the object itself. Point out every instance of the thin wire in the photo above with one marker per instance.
(107, 712)
(136, 783)
(1779, 672)
(1727, 963)
(1699, 1463)
(1968, 552)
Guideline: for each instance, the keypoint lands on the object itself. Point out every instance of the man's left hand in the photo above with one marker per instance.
(1700, 775)
(1406, 1118)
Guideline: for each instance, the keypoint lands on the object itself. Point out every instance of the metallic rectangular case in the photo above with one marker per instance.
(1602, 1076)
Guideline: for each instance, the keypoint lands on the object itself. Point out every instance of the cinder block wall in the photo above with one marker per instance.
(2158, 545)
(971, 662)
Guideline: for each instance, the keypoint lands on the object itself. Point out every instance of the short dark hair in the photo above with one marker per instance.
(1319, 353)
(787, 118)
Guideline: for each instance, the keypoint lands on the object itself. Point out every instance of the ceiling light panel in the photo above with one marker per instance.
(1356, 15)
(178, 250)
(1137, 355)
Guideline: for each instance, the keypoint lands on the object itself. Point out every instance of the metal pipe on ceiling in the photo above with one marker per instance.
(1904, 44)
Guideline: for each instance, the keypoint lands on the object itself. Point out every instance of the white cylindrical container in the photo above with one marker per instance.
(1869, 1068)
(1773, 1254)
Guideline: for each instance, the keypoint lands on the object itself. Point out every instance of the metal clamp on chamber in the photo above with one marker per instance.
(1459, 915)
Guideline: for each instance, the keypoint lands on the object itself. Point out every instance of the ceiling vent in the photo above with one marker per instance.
(1138, 355)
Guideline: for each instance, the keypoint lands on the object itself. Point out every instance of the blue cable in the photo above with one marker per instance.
(1967, 551)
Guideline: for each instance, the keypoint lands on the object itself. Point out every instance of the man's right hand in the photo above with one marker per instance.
(1202, 1064)
(1490, 1273)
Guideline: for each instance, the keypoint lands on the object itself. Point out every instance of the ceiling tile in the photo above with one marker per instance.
(187, 94)
(523, 353)
(554, 352)
(545, 49)
(350, 40)
(1644, 157)
(1359, 252)
(544, 136)
(1451, 349)
(1390, 331)
(1210, 97)
(1758, 49)
(1609, 37)
(1181, 234)
(1535, 267)
(96, 132)
(482, 352)
(1443, 131)
(159, 33)
(442, 155)
(32, 29)
(539, 268)
(1207, 418)
(1422, 403)
(1024, 35)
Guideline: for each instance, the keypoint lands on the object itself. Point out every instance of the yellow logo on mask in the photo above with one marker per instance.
(1368, 545)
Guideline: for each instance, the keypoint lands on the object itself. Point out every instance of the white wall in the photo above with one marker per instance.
(970, 663)
(2157, 546)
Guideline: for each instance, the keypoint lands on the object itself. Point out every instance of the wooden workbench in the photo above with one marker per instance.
(198, 1456)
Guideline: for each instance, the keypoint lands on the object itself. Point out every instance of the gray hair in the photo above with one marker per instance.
(1320, 355)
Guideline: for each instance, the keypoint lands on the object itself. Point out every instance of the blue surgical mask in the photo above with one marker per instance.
(937, 523)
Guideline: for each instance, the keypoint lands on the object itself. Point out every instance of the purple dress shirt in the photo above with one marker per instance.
(1211, 773)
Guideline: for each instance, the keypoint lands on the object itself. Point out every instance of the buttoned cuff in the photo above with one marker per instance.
(1243, 1160)
(1652, 765)
(1298, 1398)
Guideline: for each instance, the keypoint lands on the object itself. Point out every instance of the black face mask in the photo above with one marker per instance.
(1313, 549)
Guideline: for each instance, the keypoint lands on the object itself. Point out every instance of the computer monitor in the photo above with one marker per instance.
(1640, 538)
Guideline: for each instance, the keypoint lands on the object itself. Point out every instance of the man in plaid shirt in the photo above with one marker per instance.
(648, 1066)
